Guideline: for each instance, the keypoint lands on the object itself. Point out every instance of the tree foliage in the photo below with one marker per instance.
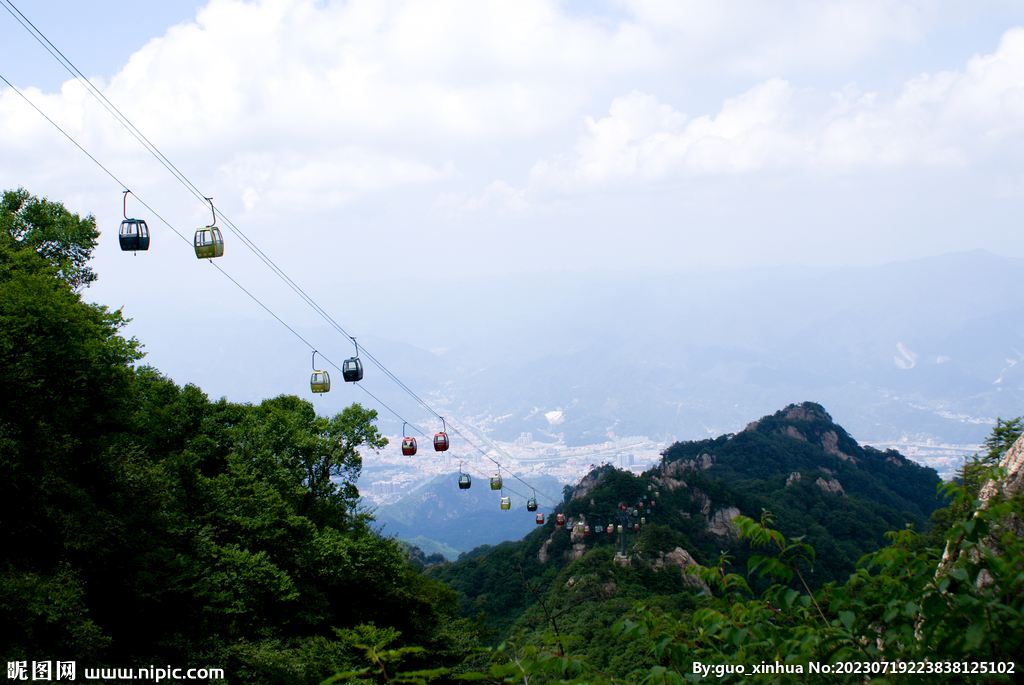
(144, 523)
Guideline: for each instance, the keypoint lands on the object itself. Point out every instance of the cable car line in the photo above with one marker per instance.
(188, 242)
(271, 312)
(97, 94)
(181, 178)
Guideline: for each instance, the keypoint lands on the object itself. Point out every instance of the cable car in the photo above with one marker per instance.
(643, 521)
(559, 519)
(636, 527)
(540, 518)
(441, 439)
(619, 528)
(531, 504)
(506, 503)
(586, 530)
(496, 482)
(611, 529)
(352, 368)
(133, 234)
(320, 381)
(464, 481)
(408, 443)
(653, 502)
(209, 242)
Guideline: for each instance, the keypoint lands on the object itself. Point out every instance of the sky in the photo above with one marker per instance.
(366, 142)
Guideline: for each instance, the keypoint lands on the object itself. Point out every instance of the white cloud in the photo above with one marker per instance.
(955, 117)
(765, 38)
(498, 194)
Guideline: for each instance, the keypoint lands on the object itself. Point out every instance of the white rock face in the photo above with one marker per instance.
(830, 485)
(793, 478)
(680, 558)
(721, 523)
(830, 443)
(1013, 463)
(542, 553)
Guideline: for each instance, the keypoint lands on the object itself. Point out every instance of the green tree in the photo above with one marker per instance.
(65, 397)
(63, 240)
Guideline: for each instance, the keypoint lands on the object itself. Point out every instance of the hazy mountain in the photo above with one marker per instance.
(458, 519)
(921, 349)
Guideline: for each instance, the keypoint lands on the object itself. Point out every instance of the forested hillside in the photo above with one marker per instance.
(144, 523)
(816, 480)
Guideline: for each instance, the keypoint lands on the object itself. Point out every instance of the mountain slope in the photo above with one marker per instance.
(797, 464)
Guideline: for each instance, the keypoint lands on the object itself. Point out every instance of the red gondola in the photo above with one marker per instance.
(636, 527)
(408, 442)
(611, 529)
(540, 519)
(441, 439)
(586, 530)
(559, 519)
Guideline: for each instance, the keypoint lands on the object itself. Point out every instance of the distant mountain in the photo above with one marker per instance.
(463, 519)
(923, 349)
(816, 481)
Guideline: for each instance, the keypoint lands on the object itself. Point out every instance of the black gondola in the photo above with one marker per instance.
(352, 368)
(531, 504)
(133, 234)
(464, 481)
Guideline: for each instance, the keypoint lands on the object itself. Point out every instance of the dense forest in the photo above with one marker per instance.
(144, 523)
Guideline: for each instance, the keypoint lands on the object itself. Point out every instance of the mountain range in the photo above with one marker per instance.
(919, 350)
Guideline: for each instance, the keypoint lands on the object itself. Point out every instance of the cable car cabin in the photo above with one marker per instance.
(540, 519)
(610, 529)
(586, 530)
(320, 381)
(496, 482)
(440, 442)
(619, 528)
(643, 520)
(636, 527)
(352, 370)
(209, 243)
(559, 519)
(653, 502)
(464, 481)
(531, 504)
(408, 446)
(133, 235)
(506, 503)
